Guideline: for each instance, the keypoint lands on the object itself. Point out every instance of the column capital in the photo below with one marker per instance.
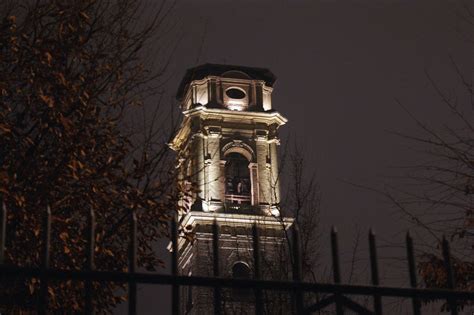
(213, 131)
(274, 140)
(261, 135)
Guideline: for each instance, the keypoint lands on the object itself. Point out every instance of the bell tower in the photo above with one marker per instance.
(228, 168)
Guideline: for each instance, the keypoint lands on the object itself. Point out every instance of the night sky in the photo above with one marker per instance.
(340, 66)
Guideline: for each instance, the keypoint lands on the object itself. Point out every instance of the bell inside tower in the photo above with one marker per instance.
(237, 179)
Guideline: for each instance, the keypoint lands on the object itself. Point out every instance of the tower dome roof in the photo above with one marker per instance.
(240, 72)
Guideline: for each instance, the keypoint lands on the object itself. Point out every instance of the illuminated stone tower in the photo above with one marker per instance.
(227, 159)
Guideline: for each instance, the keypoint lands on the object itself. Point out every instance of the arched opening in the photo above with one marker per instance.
(241, 270)
(237, 179)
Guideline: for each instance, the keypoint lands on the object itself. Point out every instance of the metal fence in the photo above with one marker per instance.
(336, 293)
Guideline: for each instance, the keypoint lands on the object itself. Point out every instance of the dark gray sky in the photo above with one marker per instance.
(340, 65)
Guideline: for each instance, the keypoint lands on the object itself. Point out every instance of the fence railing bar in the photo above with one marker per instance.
(90, 275)
(45, 261)
(297, 269)
(175, 300)
(321, 304)
(3, 231)
(412, 271)
(450, 275)
(336, 269)
(355, 307)
(257, 274)
(215, 264)
(90, 265)
(288, 286)
(132, 265)
(374, 271)
(345, 300)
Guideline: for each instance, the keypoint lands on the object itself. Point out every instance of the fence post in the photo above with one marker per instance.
(375, 271)
(412, 270)
(297, 273)
(90, 261)
(3, 231)
(215, 256)
(132, 264)
(174, 265)
(257, 275)
(450, 276)
(45, 261)
(336, 269)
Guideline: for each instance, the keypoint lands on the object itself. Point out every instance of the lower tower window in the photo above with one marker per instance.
(240, 270)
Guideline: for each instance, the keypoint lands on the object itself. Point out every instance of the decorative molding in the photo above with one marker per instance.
(239, 146)
(214, 131)
(197, 217)
(261, 135)
(267, 118)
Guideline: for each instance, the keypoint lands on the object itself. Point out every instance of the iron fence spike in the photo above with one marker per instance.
(174, 265)
(3, 231)
(449, 274)
(215, 256)
(132, 285)
(374, 271)
(412, 273)
(256, 262)
(336, 269)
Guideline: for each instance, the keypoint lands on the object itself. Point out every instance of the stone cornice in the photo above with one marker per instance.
(196, 217)
(181, 136)
(237, 116)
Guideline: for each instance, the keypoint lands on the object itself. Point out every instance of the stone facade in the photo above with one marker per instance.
(227, 153)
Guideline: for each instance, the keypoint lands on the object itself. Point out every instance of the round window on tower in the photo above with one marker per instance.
(235, 98)
(236, 94)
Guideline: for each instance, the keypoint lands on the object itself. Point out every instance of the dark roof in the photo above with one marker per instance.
(202, 71)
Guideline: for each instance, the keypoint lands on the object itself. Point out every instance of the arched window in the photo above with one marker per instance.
(237, 178)
(241, 270)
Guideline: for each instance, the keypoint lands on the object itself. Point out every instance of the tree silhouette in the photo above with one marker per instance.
(71, 74)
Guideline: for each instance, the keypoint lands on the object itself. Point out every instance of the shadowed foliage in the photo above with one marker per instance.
(70, 73)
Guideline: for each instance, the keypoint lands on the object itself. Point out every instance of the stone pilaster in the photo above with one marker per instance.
(259, 96)
(222, 180)
(215, 176)
(263, 171)
(253, 168)
(212, 92)
(275, 176)
(199, 165)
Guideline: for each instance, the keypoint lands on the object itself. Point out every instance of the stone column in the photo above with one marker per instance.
(212, 92)
(275, 175)
(182, 183)
(214, 170)
(222, 181)
(259, 96)
(199, 165)
(263, 170)
(253, 168)
(194, 99)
